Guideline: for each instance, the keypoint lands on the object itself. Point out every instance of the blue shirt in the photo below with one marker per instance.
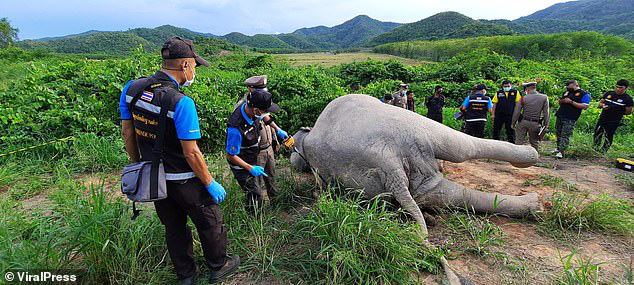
(465, 103)
(234, 137)
(185, 114)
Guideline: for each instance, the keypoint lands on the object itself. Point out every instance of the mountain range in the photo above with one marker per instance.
(606, 16)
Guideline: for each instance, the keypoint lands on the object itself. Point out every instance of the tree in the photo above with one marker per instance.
(8, 34)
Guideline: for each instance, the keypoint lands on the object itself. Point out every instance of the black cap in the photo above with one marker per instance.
(623, 82)
(437, 87)
(569, 82)
(261, 99)
(177, 47)
(480, 87)
(506, 81)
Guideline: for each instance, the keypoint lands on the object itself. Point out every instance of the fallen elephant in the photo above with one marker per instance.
(365, 144)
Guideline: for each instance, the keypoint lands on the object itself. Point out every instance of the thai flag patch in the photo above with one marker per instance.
(147, 96)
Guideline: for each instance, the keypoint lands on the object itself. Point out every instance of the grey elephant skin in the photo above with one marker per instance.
(382, 149)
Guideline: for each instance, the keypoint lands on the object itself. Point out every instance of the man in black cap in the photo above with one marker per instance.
(269, 144)
(476, 107)
(615, 104)
(191, 191)
(243, 137)
(503, 106)
(434, 104)
(571, 104)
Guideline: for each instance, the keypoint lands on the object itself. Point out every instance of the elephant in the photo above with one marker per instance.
(381, 149)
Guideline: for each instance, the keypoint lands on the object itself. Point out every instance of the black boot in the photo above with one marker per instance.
(230, 267)
(191, 280)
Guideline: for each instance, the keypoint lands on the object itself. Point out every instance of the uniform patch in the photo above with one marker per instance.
(155, 85)
(609, 96)
(147, 96)
(620, 100)
(577, 94)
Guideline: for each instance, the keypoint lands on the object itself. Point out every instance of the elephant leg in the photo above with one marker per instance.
(448, 193)
(458, 147)
(397, 184)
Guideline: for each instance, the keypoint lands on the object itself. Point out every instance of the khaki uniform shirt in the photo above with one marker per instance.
(400, 100)
(532, 107)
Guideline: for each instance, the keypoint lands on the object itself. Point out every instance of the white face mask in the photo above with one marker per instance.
(261, 117)
(188, 82)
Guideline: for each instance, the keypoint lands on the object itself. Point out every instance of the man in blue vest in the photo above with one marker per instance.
(503, 106)
(476, 107)
(191, 190)
(571, 104)
(614, 104)
(243, 138)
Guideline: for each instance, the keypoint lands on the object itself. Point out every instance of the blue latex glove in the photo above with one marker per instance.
(282, 134)
(258, 171)
(216, 191)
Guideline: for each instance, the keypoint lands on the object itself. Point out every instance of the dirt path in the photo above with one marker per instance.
(534, 258)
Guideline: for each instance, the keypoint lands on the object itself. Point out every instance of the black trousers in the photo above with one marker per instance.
(503, 120)
(435, 116)
(475, 129)
(190, 198)
(251, 187)
(607, 130)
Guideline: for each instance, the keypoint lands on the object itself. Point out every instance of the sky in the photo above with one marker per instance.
(45, 18)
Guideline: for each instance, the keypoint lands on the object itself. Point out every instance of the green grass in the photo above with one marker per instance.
(475, 234)
(557, 183)
(579, 270)
(627, 180)
(362, 242)
(574, 213)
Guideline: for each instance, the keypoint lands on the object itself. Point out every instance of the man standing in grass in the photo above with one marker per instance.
(434, 104)
(571, 104)
(476, 107)
(268, 144)
(410, 101)
(191, 191)
(243, 138)
(532, 107)
(615, 104)
(503, 106)
(399, 98)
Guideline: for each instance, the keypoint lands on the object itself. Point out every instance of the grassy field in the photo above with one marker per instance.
(332, 59)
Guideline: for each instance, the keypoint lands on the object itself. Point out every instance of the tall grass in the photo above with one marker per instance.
(573, 212)
(352, 242)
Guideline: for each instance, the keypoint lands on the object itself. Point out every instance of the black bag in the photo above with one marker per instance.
(144, 181)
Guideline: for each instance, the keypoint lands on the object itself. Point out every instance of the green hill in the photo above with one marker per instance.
(93, 42)
(535, 47)
(614, 17)
(257, 41)
(351, 33)
(435, 27)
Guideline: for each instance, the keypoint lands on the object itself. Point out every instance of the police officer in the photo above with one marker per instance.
(614, 105)
(410, 101)
(503, 106)
(434, 104)
(476, 107)
(571, 104)
(191, 191)
(387, 99)
(532, 107)
(399, 98)
(269, 144)
(243, 137)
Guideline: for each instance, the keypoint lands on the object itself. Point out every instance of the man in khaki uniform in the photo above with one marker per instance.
(268, 143)
(532, 107)
(400, 97)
